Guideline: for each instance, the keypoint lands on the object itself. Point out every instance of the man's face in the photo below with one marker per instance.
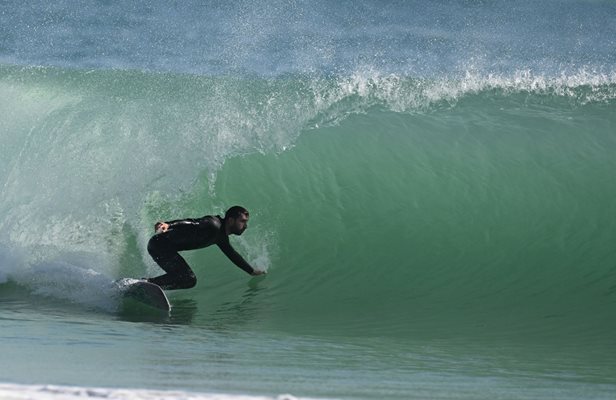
(239, 224)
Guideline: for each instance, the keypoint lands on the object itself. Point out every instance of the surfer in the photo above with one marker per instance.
(195, 233)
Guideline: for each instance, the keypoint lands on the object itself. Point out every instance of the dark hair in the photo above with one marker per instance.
(235, 211)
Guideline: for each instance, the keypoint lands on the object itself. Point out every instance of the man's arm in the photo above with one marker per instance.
(160, 227)
(236, 258)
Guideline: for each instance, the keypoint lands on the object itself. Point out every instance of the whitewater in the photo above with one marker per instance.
(431, 192)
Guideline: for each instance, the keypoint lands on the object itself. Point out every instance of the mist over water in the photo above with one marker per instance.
(280, 37)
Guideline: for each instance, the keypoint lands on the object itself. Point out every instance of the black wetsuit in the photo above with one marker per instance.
(189, 234)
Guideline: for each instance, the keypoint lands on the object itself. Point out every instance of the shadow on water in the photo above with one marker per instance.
(182, 312)
(187, 311)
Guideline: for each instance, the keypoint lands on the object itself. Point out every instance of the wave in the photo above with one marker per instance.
(381, 203)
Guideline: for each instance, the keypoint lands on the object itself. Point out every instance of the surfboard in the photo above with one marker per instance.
(145, 292)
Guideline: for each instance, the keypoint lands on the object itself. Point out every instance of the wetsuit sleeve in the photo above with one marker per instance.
(234, 256)
(187, 221)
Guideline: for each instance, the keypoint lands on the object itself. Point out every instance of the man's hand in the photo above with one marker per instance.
(161, 227)
(258, 272)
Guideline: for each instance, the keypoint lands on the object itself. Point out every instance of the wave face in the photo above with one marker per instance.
(382, 204)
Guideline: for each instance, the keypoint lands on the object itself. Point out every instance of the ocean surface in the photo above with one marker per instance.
(432, 191)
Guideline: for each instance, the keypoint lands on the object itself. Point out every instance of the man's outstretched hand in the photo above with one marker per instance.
(258, 272)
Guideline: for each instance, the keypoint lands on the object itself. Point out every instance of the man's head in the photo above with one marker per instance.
(236, 220)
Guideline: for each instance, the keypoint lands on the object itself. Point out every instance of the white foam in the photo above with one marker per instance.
(67, 278)
(52, 392)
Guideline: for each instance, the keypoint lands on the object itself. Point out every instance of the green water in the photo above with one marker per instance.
(403, 224)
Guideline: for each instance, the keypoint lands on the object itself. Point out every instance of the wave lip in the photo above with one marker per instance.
(400, 93)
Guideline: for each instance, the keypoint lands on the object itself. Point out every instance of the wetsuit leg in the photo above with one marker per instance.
(178, 273)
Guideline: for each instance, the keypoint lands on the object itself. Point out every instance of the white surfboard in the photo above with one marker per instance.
(145, 292)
